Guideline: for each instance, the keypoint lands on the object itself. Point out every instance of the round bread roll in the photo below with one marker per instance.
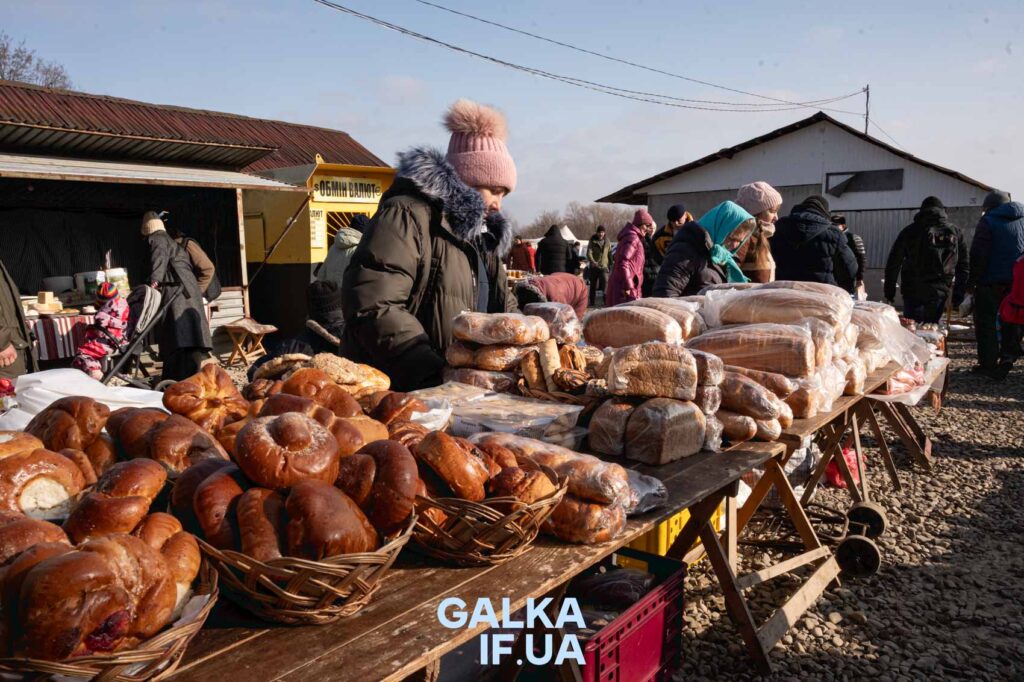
(178, 443)
(261, 389)
(278, 452)
(14, 442)
(215, 506)
(39, 483)
(184, 491)
(102, 454)
(73, 422)
(15, 573)
(392, 495)
(371, 429)
(18, 532)
(463, 472)
(130, 428)
(409, 434)
(355, 477)
(324, 522)
(208, 398)
(178, 548)
(318, 386)
(283, 403)
(81, 460)
(398, 407)
(261, 523)
(525, 485)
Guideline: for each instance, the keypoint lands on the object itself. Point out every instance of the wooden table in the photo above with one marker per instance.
(398, 632)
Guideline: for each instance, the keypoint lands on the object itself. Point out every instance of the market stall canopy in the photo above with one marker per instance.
(50, 168)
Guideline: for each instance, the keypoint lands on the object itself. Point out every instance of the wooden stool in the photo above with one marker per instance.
(247, 337)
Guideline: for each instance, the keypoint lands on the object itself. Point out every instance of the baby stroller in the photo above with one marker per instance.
(146, 309)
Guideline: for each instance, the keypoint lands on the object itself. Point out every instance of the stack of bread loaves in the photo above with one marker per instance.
(654, 418)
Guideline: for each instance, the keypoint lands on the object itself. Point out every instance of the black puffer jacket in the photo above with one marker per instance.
(688, 267)
(419, 265)
(806, 248)
(930, 258)
(554, 253)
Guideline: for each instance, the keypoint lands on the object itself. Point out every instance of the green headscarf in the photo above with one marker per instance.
(719, 223)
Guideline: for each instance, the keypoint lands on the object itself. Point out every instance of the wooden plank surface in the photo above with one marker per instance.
(229, 650)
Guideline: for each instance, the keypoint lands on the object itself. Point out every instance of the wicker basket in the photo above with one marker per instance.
(299, 591)
(555, 396)
(482, 533)
(154, 659)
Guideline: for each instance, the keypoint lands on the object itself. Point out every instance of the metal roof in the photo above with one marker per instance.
(50, 121)
(51, 168)
(629, 194)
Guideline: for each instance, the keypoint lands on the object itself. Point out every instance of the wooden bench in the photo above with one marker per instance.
(247, 338)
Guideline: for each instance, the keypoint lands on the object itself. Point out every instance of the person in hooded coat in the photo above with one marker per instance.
(806, 248)
(997, 245)
(929, 258)
(433, 250)
(627, 279)
(702, 252)
(555, 253)
(184, 336)
(345, 243)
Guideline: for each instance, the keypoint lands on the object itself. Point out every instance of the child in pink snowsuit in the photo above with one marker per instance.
(112, 316)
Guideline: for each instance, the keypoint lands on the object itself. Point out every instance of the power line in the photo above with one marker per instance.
(882, 130)
(809, 104)
(639, 96)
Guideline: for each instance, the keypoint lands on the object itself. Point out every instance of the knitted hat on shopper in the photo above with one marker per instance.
(107, 291)
(994, 199)
(932, 202)
(151, 223)
(642, 217)
(676, 212)
(758, 197)
(477, 148)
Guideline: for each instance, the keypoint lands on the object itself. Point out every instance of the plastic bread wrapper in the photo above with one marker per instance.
(561, 319)
(761, 350)
(880, 327)
(645, 493)
(437, 417)
(527, 417)
(454, 392)
(713, 433)
(774, 305)
(934, 380)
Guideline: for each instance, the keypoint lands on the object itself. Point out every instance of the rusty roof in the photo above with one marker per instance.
(62, 122)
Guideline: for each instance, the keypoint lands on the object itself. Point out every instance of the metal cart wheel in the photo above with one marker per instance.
(868, 518)
(858, 556)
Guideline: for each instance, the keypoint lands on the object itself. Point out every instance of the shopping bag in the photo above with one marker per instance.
(834, 477)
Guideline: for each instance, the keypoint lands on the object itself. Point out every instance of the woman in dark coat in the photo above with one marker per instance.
(807, 248)
(702, 252)
(433, 250)
(184, 336)
(555, 253)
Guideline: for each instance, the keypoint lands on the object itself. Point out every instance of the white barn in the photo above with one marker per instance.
(877, 186)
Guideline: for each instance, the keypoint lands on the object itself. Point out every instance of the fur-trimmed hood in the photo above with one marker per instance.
(463, 208)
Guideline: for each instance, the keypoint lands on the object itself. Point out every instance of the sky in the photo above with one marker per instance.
(947, 78)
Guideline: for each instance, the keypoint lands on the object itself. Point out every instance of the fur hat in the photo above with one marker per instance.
(477, 148)
(758, 197)
(151, 223)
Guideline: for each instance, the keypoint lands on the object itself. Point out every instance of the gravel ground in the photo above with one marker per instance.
(947, 602)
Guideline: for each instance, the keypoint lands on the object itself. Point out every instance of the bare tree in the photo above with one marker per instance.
(538, 227)
(581, 219)
(18, 63)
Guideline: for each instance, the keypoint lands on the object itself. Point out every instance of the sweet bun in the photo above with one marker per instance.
(143, 477)
(283, 403)
(432, 513)
(14, 442)
(371, 429)
(81, 460)
(215, 504)
(318, 386)
(278, 452)
(356, 474)
(118, 502)
(73, 422)
(178, 443)
(179, 550)
(18, 532)
(526, 485)
(208, 398)
(324, 522)
(397, 407)
(15, 573)
(347, 435)
(130, 428)
(184, 490)
(460, 470)
(261, 523)
(409, 434)
(499, 454)
(261, 389)
(392, 495)
(39, 483)
(102, 454)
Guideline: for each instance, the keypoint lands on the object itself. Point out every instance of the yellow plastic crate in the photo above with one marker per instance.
(658, 540)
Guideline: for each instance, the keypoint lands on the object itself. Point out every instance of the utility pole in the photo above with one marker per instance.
(867, 107)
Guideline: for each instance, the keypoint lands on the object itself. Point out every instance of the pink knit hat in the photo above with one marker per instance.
(477, 148)
(758, 197)
(642, 217)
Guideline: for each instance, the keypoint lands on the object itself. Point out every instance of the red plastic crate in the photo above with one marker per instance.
(645, 642)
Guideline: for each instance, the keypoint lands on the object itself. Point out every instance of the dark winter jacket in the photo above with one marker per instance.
(599, 253)
(688, 268)
(185, 325)
(929, 258)
(998, 243)
(844, 279)
(806, 247)
(652, 261)
(555, 254)
(13, 327)
(417, 267)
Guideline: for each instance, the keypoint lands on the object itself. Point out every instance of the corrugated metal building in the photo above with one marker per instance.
(78, 170)
(878, 187)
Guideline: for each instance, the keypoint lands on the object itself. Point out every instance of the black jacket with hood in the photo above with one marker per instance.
(929, 258)
(688, 267)
(554, 253)
(807, 248)
(420, 263)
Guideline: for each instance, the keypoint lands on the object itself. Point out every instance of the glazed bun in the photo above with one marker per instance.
(525, 485)
(261, 523)
(208, 398)
(14, 442)
(397, 407)
(102, 454)
(261, 389)
(178, 548)
(318, 386)
(324, 522)
(215, 505)
(130, 428)
(460, 470)
(69, 423)
(371, 429)
(409, 434)
(178, 443)
(392, 493)
(39, 483)
(278, 452)
(18, 532)
(119, 501)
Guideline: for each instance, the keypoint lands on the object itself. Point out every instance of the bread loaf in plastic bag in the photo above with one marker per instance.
(708, 399)
(500, 382)
(628, 325)
(498, 358)
(663, 430)
(653, 370)
(510, 329)
(685, 313)
(563, 324)
(608, 427)
(743, 395)
(768, 429)
(709, 368)
(776, 306)
(778, 384)
(713, 432)
(736, 428)
(780, 348)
